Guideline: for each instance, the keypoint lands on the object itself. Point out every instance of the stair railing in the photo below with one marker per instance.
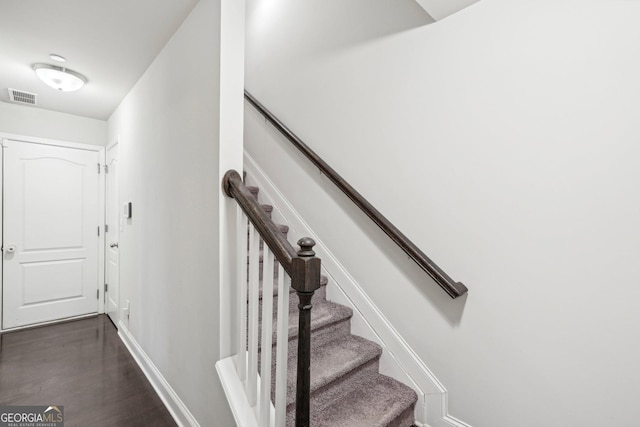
(452, 288)
(303, 268)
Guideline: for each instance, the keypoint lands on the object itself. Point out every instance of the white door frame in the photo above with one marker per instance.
(101, 208)
(116, 226)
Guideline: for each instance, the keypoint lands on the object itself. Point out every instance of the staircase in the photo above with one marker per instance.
(346, 388)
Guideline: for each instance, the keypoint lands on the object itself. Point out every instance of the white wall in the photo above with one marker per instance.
(168, 127)
(504, 141)
(32, 121)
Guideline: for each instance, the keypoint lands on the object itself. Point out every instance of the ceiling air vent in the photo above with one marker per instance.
(22, 97)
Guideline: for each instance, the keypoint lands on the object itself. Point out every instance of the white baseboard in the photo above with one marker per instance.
(398, 359)
(174, 404)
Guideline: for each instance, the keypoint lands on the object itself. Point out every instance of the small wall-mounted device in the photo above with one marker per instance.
(126, 210)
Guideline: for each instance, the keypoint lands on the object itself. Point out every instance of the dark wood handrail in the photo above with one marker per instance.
(283, 250)
(452, 288)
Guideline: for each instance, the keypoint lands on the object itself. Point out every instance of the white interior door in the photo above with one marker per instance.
(50, 243)
(112, 236)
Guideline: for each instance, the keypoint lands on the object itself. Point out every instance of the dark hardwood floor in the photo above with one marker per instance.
(83, 366)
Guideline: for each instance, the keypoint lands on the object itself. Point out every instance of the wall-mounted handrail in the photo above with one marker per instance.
(452, 288)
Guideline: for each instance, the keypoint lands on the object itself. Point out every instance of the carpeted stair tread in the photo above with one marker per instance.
(319, 296)
(323, 315)
(332, 361)
(381, 401)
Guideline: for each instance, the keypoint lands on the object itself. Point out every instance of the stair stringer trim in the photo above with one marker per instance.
(398, 359)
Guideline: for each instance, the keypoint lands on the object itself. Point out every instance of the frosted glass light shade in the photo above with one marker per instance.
(59, 78)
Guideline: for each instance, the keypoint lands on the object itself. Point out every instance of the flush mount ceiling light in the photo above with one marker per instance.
(59, 78)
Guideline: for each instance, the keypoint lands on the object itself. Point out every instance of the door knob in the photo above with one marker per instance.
(11, 248)
(113, 245)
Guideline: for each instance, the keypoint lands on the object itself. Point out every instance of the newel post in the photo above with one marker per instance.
(305, 279)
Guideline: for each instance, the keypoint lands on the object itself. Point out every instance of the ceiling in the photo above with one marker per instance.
(440, 9)
(110, 42)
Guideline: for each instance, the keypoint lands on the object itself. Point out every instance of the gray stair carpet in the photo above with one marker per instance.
(347, 389)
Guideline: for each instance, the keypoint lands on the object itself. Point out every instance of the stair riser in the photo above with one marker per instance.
(319, 337)
(333, 391)
(324, 335)
(405, 419)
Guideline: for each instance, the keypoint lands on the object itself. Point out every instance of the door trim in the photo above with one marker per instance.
(101, 207)
(110, 145)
